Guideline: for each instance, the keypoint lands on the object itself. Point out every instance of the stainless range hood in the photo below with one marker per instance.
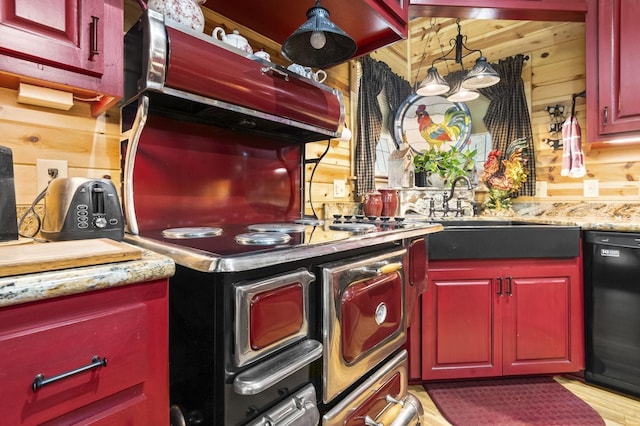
(192, 76)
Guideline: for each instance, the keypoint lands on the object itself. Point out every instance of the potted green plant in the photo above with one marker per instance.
(433, 165)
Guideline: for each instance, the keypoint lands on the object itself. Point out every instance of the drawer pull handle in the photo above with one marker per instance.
(94, 37)
(499, 292)
(509, 286)
(39, 381)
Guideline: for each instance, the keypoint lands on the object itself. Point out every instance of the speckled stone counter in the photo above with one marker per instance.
(45, 285)
(590, 216)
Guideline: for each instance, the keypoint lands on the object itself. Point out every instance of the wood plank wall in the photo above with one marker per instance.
(556, 50)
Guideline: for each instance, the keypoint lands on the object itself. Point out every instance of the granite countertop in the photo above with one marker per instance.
(586, 223)
(25, 288)
(589, 216)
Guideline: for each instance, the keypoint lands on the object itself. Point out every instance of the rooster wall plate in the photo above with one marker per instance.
(432, 121)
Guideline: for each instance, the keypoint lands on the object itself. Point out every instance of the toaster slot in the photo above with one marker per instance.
(97, 199)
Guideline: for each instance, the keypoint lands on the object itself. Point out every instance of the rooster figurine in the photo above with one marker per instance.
(504, 178)
(449, 130)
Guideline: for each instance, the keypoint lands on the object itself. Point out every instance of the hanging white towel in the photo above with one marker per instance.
(572, 155)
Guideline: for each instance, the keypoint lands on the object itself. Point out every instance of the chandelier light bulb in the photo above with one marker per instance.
(318, 40)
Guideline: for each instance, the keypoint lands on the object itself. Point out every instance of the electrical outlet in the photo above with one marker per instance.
(339, 189)
(541, 188)
(46, 170)
(591, 188)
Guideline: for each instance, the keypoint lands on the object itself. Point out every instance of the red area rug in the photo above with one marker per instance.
(511, 401)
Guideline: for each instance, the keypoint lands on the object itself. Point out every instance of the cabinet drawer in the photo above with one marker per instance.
(121, 334)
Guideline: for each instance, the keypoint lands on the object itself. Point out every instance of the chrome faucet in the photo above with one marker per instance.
(453, 186)
(446, 198)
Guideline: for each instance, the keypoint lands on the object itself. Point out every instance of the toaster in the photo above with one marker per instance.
(80, 208)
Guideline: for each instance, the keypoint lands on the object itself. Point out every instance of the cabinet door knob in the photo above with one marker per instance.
(605, 116)
(499, 279)
(509, 286)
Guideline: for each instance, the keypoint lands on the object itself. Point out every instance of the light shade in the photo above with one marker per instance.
(319, 42)
(433, 84)
(463, 95)
(481, 75)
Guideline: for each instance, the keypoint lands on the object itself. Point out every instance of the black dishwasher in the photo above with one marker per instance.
(612, 310)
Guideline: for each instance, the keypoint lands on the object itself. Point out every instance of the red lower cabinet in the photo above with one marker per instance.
(483, 318)
(98, 358)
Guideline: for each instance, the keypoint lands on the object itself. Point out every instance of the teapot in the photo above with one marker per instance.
(184, 12)
(234, 39)
(307, 72)
(262, 54)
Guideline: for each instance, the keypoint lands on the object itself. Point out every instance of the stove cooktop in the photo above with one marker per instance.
(230, 246)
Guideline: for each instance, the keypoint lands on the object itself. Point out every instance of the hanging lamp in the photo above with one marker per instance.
(319, 43)
(433, 84)
(480, 76)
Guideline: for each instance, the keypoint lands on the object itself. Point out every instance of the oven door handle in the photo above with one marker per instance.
(266, 374)
(385, 269)
(407, 412)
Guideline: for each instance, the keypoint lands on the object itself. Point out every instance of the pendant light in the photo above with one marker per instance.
(463, 95)
(459, 93)
(318, 43)
(433, 84)
(480, 76)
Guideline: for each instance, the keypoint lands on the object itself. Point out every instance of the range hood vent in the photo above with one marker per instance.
(192, 76)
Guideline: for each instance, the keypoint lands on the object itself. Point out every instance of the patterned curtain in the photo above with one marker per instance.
(375, 77)
(396, 90)
(507, 116)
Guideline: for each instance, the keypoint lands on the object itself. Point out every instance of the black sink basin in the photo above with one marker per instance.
(502, 239)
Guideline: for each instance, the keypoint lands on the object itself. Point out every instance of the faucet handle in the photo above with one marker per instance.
(432, 207)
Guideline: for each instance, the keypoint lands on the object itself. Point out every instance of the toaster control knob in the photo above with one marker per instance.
(100, 222)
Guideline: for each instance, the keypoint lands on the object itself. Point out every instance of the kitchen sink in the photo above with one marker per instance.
(502, 239)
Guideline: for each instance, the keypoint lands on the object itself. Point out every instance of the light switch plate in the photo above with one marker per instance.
(339, 189)
(591, 188)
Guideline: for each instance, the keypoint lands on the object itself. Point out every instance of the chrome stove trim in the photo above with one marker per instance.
(252, 113)
(155, 56)
(142, 112)
(204, 261)
(337, 374)
(298, 410)
(243, 294)
(266, 374)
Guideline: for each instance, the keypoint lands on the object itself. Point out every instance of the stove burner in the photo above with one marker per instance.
(353, 226)
(309, 222)
(194, 232)
(276, 227)
(263, 238)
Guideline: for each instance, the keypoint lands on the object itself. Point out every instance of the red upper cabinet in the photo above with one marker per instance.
(372, 23)
(72, 45)
(612, 63)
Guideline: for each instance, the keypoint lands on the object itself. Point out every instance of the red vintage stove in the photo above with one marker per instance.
(275, 318)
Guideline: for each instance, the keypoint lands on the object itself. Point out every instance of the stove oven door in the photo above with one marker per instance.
(381, 400)
(363, 316)
(271, 331)
(270, 314)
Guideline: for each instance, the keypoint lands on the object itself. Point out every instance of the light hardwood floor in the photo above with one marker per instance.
(615, 409)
